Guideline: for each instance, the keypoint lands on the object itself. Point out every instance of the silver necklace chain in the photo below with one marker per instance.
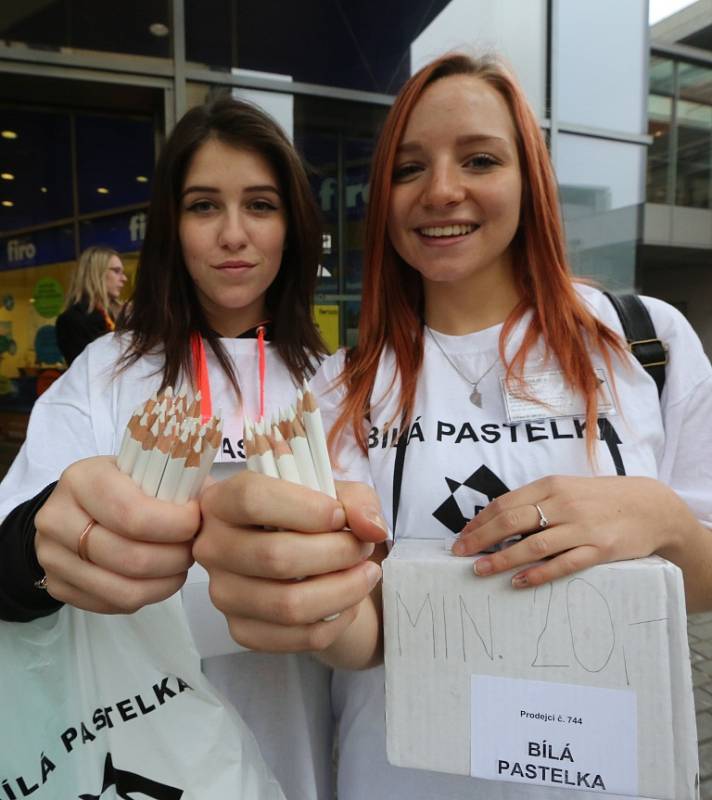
(475, 395)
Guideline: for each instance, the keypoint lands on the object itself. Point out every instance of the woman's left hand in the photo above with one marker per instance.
(575, 523)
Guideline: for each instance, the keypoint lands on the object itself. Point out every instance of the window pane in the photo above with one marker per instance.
(601, 188)
(660, 102)
(35, 168)
(694, 136)
(515, 29)
(363, 45)
(90, 25)
(114, 162)
(337, 139)
(603, 51)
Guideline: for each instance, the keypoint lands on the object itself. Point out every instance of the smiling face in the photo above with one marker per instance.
(114, 278)
(456, 191)
(232, 231)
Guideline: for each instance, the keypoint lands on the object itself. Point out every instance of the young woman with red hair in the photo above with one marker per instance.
(470, 315)
(490, 395)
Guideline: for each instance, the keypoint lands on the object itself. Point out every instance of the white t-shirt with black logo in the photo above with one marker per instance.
(459, 457)
(284, 699)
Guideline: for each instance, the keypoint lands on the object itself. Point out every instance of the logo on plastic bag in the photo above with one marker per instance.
(127, 784)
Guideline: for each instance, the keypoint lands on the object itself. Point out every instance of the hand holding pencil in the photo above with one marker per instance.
(283, 568)
(105, 538)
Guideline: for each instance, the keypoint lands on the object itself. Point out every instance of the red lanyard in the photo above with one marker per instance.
(202, 380)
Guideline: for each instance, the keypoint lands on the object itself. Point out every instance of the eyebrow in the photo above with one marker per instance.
(267, 187)
(470, 138)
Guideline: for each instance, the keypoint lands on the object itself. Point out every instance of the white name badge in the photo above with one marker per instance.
(554, 398)
(554, 734)
(232, 448)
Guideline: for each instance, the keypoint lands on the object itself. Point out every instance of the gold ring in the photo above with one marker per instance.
(543, 521)
(83, 544)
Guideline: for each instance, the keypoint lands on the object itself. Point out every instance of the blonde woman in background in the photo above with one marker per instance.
(93, 301)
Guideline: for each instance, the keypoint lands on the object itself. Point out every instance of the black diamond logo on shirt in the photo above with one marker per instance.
(468, 496)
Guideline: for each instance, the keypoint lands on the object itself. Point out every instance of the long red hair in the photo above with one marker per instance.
(392, 302)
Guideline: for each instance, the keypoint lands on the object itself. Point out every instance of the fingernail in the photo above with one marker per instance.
(338, 520)
(367, 549)
(373, 573)
(458, 548)
(483, 566)
(374, 516)
(520, 580)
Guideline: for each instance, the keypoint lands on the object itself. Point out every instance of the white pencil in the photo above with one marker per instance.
(317, 443)
(131, 445)
(191, 469)
(251, 458)
(158, 459)
(174, 468)
(299, 445)
(264, 452)
(286, 465)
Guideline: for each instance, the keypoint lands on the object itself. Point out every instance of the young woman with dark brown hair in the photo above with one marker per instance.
(230, 256)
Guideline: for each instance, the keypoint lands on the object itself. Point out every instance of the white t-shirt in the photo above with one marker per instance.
(284, 699)
(460, 457)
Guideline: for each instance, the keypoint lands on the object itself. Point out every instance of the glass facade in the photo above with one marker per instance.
(104, 81)
(602, 85)
(135, 28)
(601, 187)
(680, 121)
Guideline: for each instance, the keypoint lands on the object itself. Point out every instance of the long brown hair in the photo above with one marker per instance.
(165, 310)
(392, 303)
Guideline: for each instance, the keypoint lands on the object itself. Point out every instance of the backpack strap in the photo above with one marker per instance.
(640, 334)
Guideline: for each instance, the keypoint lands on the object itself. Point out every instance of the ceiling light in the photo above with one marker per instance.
(7, 176)
(43, 189)
(103, 190)
(142, 179)
(8, 134)
(8, 203)
(158, 29)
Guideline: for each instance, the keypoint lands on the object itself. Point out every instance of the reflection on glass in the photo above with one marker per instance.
(351, 313)
(597, 87)
(336, 138)
(660, 106)
(357, 163)
(320, 151)
(114, 162)
(600, 183)
(694, 136)
(356, 45)
(137, 28)
(38, 157)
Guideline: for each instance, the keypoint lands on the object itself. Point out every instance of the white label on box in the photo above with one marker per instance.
(554, 734)
(555, 398)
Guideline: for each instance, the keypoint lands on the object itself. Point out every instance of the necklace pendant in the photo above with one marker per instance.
(476, 398)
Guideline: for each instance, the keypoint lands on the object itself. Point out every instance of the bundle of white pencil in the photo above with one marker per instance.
(166, 449)
(292, 447)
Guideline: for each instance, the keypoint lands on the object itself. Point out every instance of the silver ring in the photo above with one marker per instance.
(543, 521)
(41, 583)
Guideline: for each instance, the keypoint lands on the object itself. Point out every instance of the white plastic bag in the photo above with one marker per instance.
(95, 706)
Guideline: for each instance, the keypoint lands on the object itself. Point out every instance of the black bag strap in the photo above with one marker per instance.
(398, 467)
(640, 334)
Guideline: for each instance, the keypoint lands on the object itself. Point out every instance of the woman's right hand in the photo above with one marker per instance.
(139, 549)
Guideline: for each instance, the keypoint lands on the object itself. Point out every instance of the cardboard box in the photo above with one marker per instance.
(582, 684)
